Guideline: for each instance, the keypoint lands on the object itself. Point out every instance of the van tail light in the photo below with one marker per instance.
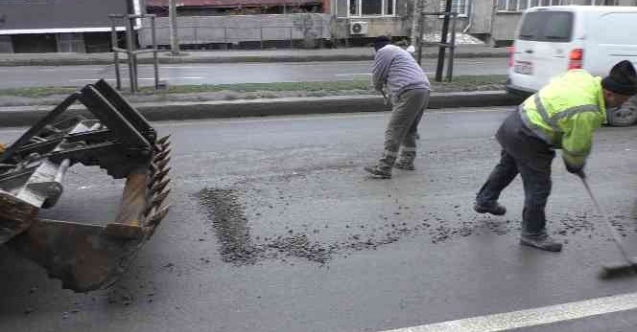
(511, 55)
(575, 58)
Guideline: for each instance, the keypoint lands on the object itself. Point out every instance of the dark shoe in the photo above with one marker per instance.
(405, 165)
(377, 172)
(495, 209)
(541, 241)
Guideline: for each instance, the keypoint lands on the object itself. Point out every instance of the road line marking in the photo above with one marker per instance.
(532, 317)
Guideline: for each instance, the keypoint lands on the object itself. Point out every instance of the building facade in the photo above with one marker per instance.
(84, 26)
(206, 24)
(493, 21)
(59, 25)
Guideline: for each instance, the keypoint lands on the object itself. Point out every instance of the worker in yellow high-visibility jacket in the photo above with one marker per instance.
(562, 115)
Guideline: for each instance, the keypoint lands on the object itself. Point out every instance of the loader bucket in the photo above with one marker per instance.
(84, 255)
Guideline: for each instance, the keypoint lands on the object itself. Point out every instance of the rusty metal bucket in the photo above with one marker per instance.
(85, 256)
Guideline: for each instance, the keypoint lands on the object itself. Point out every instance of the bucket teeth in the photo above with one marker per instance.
(161, 164)
(158, 186)
(158, 216)
(162, 155)
(150, 211)
(156, 201)
(163, 139)
(159, 198)
(162, 146)
(161, 174)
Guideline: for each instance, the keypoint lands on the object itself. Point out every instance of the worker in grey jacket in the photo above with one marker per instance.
(409, 91)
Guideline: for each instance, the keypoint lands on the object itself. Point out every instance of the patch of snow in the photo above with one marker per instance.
(461, 39)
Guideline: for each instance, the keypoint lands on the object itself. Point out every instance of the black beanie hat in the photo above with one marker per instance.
(380, 42)
(622, 79)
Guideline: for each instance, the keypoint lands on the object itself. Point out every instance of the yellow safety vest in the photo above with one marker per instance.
(566, 112)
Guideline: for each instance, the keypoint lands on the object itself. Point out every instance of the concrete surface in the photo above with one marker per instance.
(26, 116)
(275, 227)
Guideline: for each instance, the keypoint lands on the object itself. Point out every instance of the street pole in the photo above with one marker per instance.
(174, 40)
(443, 42)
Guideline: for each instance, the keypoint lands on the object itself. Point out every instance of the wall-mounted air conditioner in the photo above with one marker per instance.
(358, 28)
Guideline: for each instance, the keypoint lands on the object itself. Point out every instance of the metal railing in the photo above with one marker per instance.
(131, 49)
(443, 44)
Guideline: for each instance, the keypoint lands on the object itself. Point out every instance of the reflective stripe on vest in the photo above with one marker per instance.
(545, 114)
(535, 129)
(552, 122)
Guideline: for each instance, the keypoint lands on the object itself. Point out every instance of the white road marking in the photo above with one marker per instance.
(532, 317)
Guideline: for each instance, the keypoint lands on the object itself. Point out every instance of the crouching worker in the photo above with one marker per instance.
(409, 90)
(562, 115)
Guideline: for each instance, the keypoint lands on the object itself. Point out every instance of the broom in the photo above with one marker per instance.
(617, 270)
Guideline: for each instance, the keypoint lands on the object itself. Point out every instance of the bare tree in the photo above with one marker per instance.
(174, 39)
(419, 6)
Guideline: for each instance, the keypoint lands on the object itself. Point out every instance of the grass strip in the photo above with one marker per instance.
(459, 83)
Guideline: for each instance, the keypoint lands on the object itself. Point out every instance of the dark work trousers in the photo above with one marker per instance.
(402, 129)
(524, 153)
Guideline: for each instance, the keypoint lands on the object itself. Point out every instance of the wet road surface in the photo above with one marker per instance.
(275, 227)
(228, 73)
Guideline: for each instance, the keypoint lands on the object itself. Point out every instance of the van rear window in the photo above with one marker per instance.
(547, 26)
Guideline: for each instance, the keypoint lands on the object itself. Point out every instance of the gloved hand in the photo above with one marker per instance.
(577, 170)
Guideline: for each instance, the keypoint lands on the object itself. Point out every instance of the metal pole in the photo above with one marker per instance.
(155, 59)
(136, 71)
(452, 49)
(196, 28)
(443, 42)
(261, 34)
(115, 44)
(129, 52)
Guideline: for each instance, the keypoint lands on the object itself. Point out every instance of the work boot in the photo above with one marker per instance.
(378, 172)
(405, 165)
(541, 241)
(493, 208)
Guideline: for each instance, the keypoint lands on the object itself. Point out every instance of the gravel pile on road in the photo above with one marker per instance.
(226, 214)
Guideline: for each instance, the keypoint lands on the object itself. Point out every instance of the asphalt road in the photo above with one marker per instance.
(275, 227)
(33, 76)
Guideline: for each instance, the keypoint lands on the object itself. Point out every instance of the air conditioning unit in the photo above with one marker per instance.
(358, 28)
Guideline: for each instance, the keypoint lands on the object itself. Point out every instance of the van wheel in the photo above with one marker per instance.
(622, 117)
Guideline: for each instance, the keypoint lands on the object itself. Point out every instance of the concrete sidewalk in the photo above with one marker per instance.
(234, 56)
(29, 115)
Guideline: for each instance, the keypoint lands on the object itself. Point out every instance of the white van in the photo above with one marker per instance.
(552, 40)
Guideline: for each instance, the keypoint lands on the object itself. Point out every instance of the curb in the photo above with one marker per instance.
(27, 116)
(78, 61)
